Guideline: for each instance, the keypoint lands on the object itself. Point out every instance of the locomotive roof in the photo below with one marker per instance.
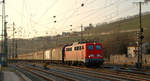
(76, 43)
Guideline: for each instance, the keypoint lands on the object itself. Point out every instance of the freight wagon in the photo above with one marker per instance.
(75, 54)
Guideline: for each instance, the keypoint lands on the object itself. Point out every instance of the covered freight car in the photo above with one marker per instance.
(28, 56)
(48, 54)
(39, 55)
(57, 55)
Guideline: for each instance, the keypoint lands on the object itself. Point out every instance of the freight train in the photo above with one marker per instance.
(75, 54)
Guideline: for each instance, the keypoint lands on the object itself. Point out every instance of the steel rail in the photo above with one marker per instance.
(121, 76)
(57, 75)
(29, 70)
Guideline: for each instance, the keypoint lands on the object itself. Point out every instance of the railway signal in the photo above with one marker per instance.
(140, 37)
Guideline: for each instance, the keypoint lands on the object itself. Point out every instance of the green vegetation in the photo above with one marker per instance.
(115, 36)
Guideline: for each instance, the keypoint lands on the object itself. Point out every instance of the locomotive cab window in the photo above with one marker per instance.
(98, 47)
(90, 47)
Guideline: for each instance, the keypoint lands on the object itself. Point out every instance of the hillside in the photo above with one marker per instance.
(116, 36)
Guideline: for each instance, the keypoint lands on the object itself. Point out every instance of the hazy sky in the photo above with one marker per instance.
(34, 18)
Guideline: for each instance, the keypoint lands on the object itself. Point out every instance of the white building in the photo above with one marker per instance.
(132, 51)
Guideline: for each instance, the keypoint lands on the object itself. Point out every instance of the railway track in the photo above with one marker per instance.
(27, 74)
(114, 74)
(101, 76)
(37, 74)
(79, 76)
(46, 74)
(73, 73)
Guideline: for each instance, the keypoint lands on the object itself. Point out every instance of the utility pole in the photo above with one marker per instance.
(5, 44)
(9, 50)
(140, 41)
(56, 39)
(2, 34)
(81, 33)
(16, 49)
(2, 37)
(4, 50)
(140, 35)
(55, 32)
(13, 42)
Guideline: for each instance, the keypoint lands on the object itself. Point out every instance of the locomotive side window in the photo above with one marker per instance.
(90, 47)
(77, 48)
(82, 47)
(69, 49)
(98, 47)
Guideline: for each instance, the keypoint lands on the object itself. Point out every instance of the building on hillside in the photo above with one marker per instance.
(132, 51)
(75, 33)
(89, 27)
(65, 34)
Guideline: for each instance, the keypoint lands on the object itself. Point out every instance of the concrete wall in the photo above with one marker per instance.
(122, 59)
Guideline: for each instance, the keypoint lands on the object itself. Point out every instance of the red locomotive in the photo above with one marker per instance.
(84, 53)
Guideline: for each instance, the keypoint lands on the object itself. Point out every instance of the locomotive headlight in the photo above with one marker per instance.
(98, 55)
(91, 55)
